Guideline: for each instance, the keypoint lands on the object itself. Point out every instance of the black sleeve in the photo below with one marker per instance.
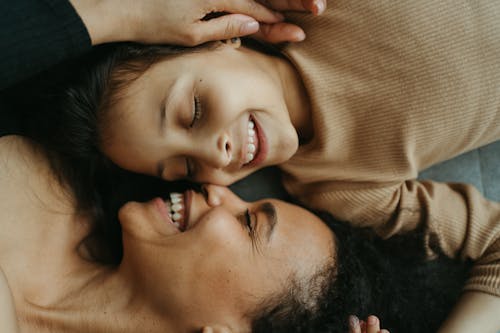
(37, 34)
(8, 120)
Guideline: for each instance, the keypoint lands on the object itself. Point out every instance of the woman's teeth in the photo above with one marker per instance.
(251, 142)
(176, 208)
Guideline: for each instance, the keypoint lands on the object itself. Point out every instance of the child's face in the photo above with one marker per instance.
(210, 117)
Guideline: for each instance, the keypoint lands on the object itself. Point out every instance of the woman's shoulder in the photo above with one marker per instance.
(22, 162)
(17, 153)
(8, 318)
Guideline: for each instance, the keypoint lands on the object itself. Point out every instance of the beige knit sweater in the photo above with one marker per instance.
(396, 86)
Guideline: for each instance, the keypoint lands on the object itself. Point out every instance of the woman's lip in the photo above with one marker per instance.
(262, 145)
(164, 213)
(162, 208)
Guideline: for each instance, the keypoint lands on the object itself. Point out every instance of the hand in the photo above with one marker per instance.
(182, 22)
(286, 32)
(371, 325)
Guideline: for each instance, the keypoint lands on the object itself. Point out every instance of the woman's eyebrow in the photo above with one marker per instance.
(269, 211)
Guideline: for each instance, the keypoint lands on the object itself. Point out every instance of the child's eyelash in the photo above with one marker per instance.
(196, 111)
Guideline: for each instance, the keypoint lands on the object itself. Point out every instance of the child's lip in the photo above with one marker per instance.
(262, 147)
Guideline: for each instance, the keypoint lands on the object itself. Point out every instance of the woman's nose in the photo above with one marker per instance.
(222, 196)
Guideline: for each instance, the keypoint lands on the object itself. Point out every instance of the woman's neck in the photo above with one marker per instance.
(56, 289)
(98, 301)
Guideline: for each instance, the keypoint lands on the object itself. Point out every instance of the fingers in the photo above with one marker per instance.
(280, 32)
(250, 8)
(354, 325)
(314, 6)
(225, 27)
(372, 324)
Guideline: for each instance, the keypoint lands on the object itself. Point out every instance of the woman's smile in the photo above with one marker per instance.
(175, 209)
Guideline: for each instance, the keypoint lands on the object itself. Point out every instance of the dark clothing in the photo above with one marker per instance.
(35, 35)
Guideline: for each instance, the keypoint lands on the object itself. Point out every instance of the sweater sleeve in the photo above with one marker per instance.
(457, 216)
(37, 34)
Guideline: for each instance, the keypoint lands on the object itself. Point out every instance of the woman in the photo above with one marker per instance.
(173, 279)
(225, 266)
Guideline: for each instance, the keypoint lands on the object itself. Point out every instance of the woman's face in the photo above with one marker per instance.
(212, 117)
(219, 256)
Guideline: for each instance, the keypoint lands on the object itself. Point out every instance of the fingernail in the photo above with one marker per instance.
(353, 321)
(249, 27)
(372, 320)
(279, 16)
(320, 7)
(300, 36)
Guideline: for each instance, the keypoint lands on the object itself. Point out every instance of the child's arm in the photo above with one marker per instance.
(8, 319)
(475, 312)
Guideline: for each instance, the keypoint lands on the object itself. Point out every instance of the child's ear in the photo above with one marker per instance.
(233, 42)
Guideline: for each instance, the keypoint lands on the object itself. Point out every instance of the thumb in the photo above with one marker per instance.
(226, 27)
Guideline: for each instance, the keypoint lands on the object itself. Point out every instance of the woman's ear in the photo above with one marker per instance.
(216, 329)
(233, 42)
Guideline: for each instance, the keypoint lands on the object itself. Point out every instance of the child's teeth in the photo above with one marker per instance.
(251, 142)
(176, 217)
(177, 224)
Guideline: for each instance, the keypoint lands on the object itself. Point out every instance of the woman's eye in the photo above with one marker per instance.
(248, 220)
(196, 111)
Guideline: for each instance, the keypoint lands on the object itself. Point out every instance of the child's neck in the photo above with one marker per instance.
(296, 98)
(294, 93)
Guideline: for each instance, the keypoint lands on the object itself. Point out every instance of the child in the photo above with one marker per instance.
(374, 95)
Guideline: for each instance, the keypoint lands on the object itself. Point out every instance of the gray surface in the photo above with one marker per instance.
(265, 183)
(480, 167)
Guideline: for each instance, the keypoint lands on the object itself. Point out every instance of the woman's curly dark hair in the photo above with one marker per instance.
(390, 278)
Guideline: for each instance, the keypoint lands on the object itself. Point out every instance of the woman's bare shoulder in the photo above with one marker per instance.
(15, 145)
(22, 163)
(8, 318)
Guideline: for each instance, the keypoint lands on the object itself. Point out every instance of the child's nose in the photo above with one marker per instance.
(216, 153)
